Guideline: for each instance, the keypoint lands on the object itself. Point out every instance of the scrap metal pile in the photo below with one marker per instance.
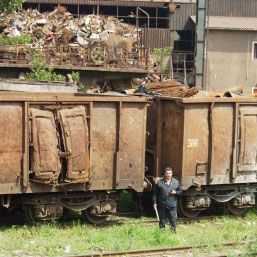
(64, 40)
(170, 88)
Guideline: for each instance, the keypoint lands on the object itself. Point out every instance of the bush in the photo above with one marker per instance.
(162, 56)
(10, 6)
(126, 203)
(19, 40)
(39, 72)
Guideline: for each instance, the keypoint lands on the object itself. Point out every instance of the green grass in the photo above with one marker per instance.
(73, 238)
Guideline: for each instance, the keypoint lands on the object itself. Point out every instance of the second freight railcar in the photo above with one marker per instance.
(211, 145)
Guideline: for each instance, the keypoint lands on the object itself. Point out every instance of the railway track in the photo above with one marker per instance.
(179, 220)
(121, 218)
(167, 252)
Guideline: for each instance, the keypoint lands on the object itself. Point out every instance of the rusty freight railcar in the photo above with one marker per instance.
(211, 145)
(70, 151)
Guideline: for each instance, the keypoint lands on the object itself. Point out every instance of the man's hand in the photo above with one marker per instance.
(155, 205)
(173, 192)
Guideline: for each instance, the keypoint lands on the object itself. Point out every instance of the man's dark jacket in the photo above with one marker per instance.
(162, 195)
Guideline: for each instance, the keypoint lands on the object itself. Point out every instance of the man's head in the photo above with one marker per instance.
(168, 173)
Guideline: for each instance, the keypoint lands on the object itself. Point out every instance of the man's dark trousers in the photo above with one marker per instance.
(170, 213)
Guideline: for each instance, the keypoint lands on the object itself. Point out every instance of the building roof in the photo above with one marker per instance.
(230, 23)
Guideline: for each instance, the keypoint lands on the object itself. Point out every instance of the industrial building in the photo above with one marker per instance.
(224, 45)
(231, 53)
(199, 45)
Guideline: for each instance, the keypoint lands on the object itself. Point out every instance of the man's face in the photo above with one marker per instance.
(168, 174)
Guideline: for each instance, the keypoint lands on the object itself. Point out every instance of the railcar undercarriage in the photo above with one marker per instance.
(237, 199)
(94, 206)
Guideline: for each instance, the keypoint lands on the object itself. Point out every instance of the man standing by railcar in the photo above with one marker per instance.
(165, 198)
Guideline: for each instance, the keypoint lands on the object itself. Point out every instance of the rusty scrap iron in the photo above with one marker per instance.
(91, 40)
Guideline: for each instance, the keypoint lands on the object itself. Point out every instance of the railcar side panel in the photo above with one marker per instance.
(247, 144)
(103, 144)
(218, 158)
(172, 138)
(44, 154)
(196, 143)
(130, 155)
(11, 146)
(221, 130)
(74, 127)
(219, 140)
(52, 143)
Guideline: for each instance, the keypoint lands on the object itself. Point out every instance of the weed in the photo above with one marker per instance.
(39, 72)
(126, 203)
(19, 40)
(74, 238)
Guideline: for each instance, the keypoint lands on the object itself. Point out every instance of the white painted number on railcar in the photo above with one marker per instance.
(192, 142)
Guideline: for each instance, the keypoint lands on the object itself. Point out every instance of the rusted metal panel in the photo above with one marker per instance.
(103, 144)
(11, 152)
(172, 137)
(218, 139)
(75, 138)
(156, 37)
(151, 130)
(65, 97)
(45, 160)
(25, 146)
(196, 142)
(197, 100)
(94, 130)
(248, 139)
(222, 143)
(117, 145)
(131, 145)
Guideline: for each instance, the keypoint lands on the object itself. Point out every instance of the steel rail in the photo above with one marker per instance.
(122, 217)
(157, 251)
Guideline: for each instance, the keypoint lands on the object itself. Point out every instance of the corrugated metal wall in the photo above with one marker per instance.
(179, 20)
(156, 38)
(241, 8)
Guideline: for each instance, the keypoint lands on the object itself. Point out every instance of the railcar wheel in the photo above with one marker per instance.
(92, 218)
(29, 216)
(185, 212)
(235, 210)
(43, 213)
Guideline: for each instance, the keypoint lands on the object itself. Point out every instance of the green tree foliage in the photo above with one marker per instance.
(161, 56)
(10, 6)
